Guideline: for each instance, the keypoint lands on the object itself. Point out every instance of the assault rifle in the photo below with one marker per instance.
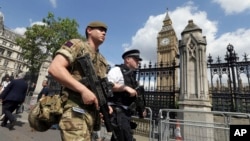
(100, 87)
(139, 103)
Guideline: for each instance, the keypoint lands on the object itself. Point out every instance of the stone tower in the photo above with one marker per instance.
(194, 94)
(167, 50)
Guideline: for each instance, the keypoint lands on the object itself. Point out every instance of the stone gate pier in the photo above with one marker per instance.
(194, 92)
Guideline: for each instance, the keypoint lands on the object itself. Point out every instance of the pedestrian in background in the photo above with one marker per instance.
(80, 110)
(44, 91)
(3, 86)
(2, 115)
(5, 83)
(31, 89)
(13, 95)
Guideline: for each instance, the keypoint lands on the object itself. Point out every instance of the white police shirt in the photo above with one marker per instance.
(115, 75)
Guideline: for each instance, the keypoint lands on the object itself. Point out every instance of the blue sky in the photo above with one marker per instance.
(136, 23)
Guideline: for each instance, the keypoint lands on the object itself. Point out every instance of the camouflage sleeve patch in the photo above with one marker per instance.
(71, 49)
(68, 44)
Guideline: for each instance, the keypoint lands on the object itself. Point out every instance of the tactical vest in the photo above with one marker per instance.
(123, 98)
(98, 61)
(77, 48)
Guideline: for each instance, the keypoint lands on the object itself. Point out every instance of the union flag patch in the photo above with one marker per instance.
(68, 44)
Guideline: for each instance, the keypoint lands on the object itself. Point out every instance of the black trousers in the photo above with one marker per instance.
(8, 108)
(121, 119)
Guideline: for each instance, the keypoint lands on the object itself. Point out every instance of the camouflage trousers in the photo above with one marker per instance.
(75, 126)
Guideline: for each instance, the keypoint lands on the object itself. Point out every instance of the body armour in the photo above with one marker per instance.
(73, 49)
(123, 98)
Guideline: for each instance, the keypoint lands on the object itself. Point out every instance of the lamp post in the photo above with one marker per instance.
(232, 58)
(247, 71)
(210, 61)
(173, 74)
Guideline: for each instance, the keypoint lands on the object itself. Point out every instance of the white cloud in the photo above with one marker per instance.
(37, 23)
(53, 2)
(145, 37)
(233, 6)
(239, 39)
(20, 30)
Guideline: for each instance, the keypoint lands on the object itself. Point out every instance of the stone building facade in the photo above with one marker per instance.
(11, 60)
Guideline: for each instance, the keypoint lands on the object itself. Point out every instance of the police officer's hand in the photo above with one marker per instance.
(144, 113)
(89, 98)
(110, 110)
(131, 91)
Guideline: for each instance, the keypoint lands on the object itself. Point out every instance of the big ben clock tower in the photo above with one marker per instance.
(167, 50)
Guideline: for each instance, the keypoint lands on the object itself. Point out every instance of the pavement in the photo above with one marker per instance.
(23, 132)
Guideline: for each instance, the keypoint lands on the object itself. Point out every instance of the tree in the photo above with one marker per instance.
(41, 41)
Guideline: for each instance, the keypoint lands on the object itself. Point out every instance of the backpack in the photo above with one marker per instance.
(46, 112)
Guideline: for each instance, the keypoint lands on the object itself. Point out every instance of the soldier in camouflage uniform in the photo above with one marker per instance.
(75, 125)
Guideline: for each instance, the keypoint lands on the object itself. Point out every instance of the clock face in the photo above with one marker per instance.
(165, 41)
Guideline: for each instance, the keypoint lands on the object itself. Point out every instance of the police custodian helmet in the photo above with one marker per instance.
(132, 53)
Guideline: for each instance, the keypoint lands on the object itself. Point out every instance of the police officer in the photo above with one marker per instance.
(123, 78)
(79, 113)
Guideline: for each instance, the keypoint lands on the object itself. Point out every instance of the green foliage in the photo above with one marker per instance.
(42, 40)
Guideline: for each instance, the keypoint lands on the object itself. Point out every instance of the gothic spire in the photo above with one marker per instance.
(167, 16)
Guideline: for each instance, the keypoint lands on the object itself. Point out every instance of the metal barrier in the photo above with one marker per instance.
(145, 126)
(144, 130)
(179, 129)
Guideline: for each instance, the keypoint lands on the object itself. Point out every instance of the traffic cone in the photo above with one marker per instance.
(178, 132)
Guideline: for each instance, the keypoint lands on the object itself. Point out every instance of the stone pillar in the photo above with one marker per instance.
(194, 91)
